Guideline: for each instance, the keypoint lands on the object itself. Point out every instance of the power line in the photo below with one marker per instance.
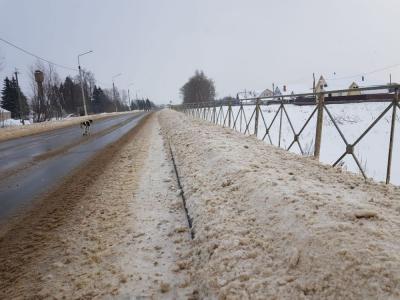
(366, 73)
(37, 56)
(303, 80)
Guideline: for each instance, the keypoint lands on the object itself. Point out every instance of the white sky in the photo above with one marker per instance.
(157, 45)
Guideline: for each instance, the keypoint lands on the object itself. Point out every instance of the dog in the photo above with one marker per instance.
(85, 125)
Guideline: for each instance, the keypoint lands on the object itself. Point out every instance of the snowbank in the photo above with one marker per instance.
(271, 224)
(12, 123)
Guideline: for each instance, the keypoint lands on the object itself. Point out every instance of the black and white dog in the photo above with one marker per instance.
(85, 125)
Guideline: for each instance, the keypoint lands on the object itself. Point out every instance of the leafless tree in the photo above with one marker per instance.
(89, 83)
(124, 98)
(51, 87)
(199, 88)
(37, 103)
(49, 106)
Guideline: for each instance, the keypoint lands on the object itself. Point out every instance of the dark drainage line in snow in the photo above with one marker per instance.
(189, 219)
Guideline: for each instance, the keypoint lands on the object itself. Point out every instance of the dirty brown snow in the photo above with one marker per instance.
(114, 229)
(273, 225)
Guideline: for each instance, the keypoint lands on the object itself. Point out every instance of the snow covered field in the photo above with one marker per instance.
(269, 224)
(352, 119)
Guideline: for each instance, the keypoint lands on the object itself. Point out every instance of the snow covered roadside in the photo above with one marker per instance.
(113, 230)
(271, 224)
(160, 230)
(28, 129)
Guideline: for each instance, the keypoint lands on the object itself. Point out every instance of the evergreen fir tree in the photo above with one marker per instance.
(9, 98)
(22, 111)
(10, 102)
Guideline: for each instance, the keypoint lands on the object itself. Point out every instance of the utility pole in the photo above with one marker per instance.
(19, 97)
(129, 97)
(114, 100)
(39, 78)
(313, 85)
(81, 79)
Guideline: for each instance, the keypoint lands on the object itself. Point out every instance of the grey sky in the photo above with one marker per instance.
(157, 45)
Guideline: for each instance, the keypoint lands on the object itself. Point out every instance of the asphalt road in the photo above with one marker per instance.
(30, 166)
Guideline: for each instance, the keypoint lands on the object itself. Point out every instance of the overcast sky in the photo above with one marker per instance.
(157, 45)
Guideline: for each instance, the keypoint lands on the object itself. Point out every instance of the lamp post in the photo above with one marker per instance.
(129, 97)
(39, 78)
(80, 76)
(115, 103)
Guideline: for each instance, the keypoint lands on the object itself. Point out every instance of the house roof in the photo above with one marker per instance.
(265, 93)
(3, 110)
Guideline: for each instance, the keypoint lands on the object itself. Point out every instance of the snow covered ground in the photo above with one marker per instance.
(12, 123)
(270, 224)
(352, 119)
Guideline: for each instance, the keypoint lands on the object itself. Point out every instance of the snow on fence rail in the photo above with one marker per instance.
(359, 136)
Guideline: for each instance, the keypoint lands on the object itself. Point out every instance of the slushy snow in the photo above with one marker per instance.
(270, 224)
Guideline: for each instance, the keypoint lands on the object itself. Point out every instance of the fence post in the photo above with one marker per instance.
(280, 123)
(318, 131)
(213, 113)
(389, 162)
(229, 113)
(256, 116)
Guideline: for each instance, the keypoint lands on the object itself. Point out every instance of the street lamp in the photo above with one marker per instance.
(129, 97)
(80, 76)
(115, 103)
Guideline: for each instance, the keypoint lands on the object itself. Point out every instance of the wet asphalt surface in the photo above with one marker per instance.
(33, 178)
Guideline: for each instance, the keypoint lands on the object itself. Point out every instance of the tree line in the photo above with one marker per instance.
(64, 97)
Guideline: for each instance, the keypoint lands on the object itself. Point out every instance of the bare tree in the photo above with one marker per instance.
(124, 98)
(89, 83)
(37, 102)
(199, 88)
(49, 106)
(52, 84)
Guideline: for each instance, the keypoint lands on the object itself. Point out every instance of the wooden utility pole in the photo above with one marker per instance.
(313, 85)
(393, 123)
(320, 118)
(256, 117)
(214, 113)
(19, 96)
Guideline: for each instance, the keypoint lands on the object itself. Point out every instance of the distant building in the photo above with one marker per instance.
(334, 85)
(321, 85)
(4, 114)
(354, 90)
(266, 93)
